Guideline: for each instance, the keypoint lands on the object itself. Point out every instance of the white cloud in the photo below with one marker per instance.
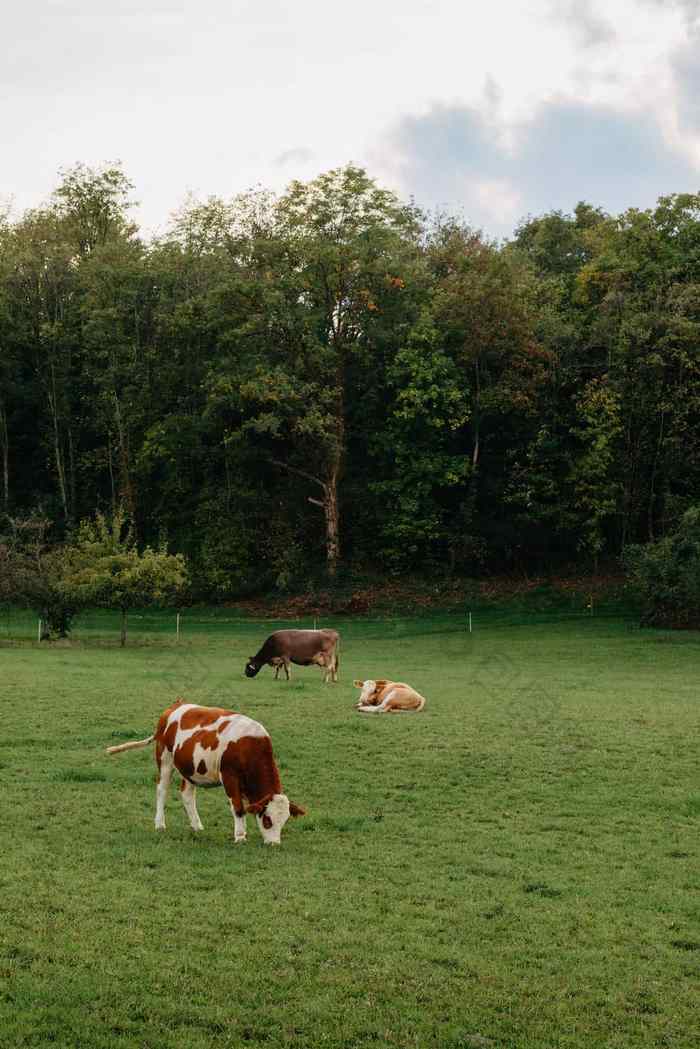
(220, 96)
(454, 159)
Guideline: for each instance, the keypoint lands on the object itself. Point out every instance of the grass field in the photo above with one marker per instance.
(515, 867)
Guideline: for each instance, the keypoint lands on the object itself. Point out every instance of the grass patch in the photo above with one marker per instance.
(514, 867)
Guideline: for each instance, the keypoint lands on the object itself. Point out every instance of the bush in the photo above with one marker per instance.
(667, 576)
(104, 567)
(32, 574)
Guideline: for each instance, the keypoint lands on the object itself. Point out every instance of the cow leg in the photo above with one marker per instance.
(382, 708)
(164, 761)
(277, 670)
(232, 787)
(188, 794)
(288, 669)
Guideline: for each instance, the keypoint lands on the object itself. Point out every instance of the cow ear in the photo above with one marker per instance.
(296, 810)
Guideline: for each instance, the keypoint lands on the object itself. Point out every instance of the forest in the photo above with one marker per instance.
(290, 387)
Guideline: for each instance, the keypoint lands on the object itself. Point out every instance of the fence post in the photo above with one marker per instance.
(39, 632)
(470, 622)
(178, 628)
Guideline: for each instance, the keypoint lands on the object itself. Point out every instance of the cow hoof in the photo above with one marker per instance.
(160, 826)
(239, 841)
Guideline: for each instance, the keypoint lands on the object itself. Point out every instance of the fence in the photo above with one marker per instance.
(202, 626)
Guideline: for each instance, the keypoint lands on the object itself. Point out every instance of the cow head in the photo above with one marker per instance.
(369, 697)
(271, 814)
(251, 668)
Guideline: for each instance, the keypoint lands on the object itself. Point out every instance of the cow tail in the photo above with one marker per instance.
(135, 744)
(337, 655)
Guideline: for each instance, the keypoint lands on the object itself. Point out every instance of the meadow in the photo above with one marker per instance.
(517, 866)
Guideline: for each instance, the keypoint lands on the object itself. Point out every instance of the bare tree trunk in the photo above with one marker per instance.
(329, 505)
(72, 474)
(127, 488)
(332, 515)
(5, 442)
(652, 482)
(122, 636)
(60, 468)
(111, 473)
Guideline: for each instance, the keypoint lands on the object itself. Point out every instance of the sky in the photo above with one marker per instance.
(493, 110)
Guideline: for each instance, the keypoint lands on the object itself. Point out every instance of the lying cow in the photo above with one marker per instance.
(209, 746)
(388, 697)
(303, 647)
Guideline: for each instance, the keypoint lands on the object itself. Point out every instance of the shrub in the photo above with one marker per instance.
(32, 574)
(104, 567)
(666, 575)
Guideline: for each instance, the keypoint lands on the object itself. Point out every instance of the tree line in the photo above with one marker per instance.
(282, 387)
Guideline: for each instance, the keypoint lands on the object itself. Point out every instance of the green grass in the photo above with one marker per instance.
(515, 867)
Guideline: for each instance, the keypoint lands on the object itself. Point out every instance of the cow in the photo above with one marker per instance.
(388, 697)
(303, 647)
(209, 747)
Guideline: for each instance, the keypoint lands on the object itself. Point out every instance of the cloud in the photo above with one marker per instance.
(685, 66)
(588, 28)
(690, 10)
(456, 158)
(295, 157)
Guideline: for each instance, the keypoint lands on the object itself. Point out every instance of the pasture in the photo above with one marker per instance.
(517, 866)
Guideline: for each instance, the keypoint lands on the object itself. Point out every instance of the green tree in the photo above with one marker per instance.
(33, 574)
(330, 276)
(667, 575)
(107, 569)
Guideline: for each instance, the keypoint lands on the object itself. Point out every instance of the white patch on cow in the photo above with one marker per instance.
(277, 810)
(239, 829)
(241, 725)
(164, 773)
(368, 688)
(188, 794)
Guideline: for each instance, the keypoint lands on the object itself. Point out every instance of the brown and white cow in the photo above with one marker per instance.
(388, 697)
(303, 647)
(210, 747)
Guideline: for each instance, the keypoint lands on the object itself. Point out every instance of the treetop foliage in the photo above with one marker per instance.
(328, 379)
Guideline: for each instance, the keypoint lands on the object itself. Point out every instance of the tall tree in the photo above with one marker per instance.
(326, 277)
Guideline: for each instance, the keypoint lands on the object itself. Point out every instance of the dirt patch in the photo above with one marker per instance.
(413, 598)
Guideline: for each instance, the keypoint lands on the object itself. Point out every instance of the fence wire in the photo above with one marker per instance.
(213, 625)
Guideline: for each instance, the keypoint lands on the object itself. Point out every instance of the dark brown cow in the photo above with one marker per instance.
(303, 647)
(210, 747)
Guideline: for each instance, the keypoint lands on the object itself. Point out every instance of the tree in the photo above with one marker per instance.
(667, 575)
(33, 573)
(107, 569)
(93, 204)
(484, 302)
(47, 385)
(326, 279)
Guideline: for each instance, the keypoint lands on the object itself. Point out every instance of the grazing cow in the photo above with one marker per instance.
(388, 697)
(209, 746)
(303, 647)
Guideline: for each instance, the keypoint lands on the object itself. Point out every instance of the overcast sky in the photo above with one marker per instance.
(494, 110)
